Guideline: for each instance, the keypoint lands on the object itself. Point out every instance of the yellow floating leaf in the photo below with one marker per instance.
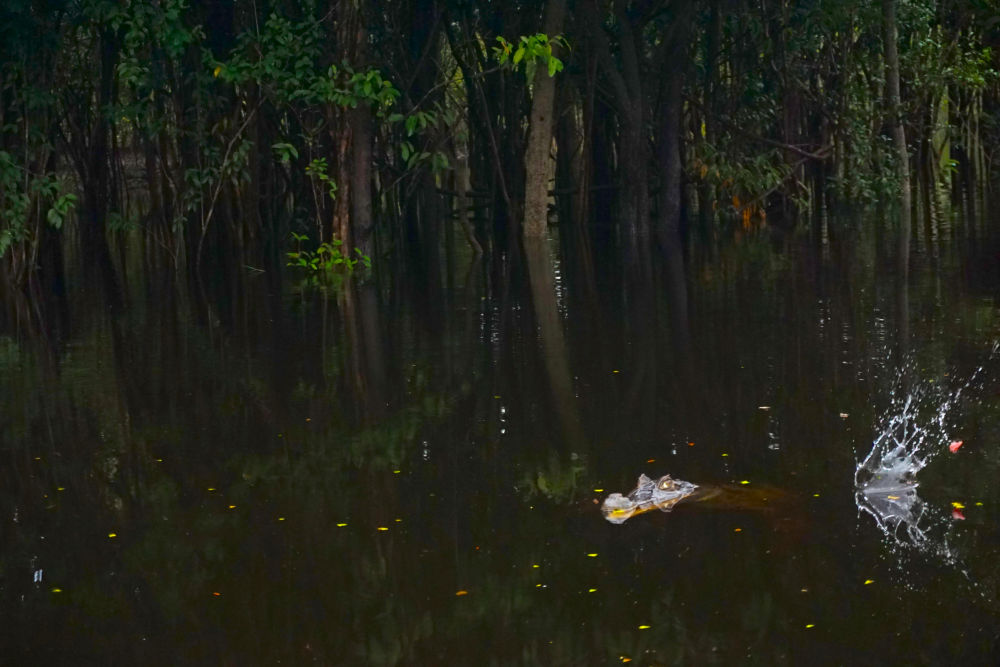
(616, 371)
(869, 581)
(60, 488)
(591, 590)
(745, 481)
(399, 521)
(724, 454)
(281, 518)
(979, 504)
(810, 625)
(893, 497)
(958, 506)
(538, 585)
(644, 627)
(57, 590)
(341, 525)
(112, 535)
(536, 565)
(737, 530)
(383, 528)
(598, 490)
(496, 395)
(216, 71)
(396, 472)
(210, 489)
(624, 659)
(591, 555)
(232, 507)
(461, 592)
(815, 495)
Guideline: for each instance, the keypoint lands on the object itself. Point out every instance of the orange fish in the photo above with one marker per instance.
(953, 447)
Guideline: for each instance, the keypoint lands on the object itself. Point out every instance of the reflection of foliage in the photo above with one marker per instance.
(557, 480)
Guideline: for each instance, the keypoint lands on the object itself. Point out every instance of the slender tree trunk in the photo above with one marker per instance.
(898, 131)
(537, 154)
(543, 296)
(903, 167)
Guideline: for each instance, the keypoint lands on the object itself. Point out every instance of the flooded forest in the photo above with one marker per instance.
(544, 332)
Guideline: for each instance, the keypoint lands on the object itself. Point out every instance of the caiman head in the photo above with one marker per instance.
(648, 495)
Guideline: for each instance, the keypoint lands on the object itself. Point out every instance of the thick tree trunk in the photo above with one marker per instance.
(96, 179)
(362, 223)
(537, 159)
(669, 134)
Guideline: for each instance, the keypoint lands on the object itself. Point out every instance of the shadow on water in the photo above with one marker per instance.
(370, 479)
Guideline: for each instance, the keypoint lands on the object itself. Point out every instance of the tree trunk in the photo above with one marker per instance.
(537, 154)
(669, 139)
(896, 120)
(362, 223)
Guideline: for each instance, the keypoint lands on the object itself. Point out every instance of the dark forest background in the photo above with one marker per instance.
(200, 142)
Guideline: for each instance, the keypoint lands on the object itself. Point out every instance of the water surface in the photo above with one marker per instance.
(414, 476)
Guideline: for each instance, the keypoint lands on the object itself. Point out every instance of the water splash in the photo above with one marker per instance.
(912, 432)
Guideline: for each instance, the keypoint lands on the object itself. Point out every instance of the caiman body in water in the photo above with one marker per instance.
(666, 493)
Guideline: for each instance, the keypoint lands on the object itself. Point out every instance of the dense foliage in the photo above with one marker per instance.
(212, 138)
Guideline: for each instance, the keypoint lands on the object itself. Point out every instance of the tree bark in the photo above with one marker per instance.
(669, 135)
(896, 120)
(537, 155)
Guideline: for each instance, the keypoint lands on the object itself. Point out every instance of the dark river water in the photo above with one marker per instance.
(416, 479)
